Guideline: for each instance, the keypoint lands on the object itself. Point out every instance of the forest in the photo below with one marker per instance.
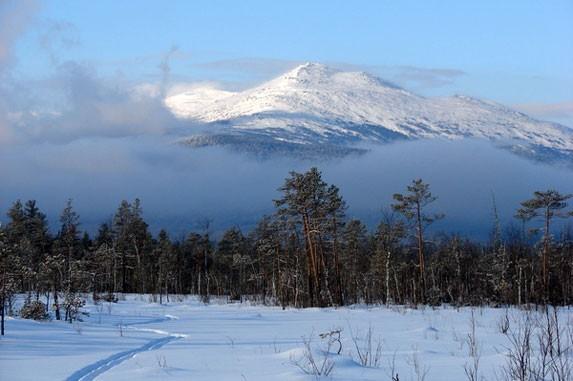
(306, 254)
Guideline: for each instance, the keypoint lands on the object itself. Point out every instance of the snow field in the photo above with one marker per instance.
(187, 340)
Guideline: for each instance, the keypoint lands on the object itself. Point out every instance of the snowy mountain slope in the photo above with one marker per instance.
(315, 104)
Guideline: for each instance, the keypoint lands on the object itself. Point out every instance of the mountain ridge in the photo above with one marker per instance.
(314, 104)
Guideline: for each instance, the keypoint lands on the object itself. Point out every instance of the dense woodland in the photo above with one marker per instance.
(305, 254)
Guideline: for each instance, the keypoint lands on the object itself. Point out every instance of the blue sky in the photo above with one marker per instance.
(514, 52)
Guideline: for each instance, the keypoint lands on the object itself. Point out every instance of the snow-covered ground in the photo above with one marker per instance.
(187, 340)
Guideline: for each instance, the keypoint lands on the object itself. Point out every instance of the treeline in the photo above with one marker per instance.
(305, 254)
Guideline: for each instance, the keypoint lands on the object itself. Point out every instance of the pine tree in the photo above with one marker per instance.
(105, 262)
(10, 271)
(311, 204)
(545, 205)
(16, 228)
(36, 227)
(270, 261)
(355, 259)
(164, 255)
(233, 261)
(27, 233)
(68, 240)
(412, 206)
(133, 242)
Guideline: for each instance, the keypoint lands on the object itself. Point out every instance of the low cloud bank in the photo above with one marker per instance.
(182, 187)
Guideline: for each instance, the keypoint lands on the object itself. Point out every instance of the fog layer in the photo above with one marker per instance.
(181, 187)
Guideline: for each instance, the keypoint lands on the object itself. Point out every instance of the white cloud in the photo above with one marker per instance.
(76, 103)
(14, 18)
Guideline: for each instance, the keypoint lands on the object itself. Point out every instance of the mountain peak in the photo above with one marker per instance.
(308, 72)
(313, 74)
(311, 66)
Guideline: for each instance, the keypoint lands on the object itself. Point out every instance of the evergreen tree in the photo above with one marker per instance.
(164, 255)
(310, 204)
(16, 228)
(133, 242)
(68, 240)
(355, 260)
(412, 206)
(545, 205)
(10, 271)
(271, 263)
(36, 226)
(27, 233)
(233, 261)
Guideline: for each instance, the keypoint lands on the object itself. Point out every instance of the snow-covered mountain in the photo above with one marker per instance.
(316, 107)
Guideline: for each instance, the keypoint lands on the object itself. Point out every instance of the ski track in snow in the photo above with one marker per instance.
(91, 371)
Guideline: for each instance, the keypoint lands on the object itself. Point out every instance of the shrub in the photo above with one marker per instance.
(34, 309)
(321, 366)
(73, 305)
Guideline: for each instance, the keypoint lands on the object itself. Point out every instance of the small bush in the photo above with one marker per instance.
(73, 306)
(321, 366)
(34, 309)
(368, 350)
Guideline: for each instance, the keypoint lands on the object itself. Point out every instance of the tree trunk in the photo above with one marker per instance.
(337, 265)
(311, 262)
(544, 260)
(421, 263)
(2, 315)
(123, 272)
(56, 303)
(387, 278)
